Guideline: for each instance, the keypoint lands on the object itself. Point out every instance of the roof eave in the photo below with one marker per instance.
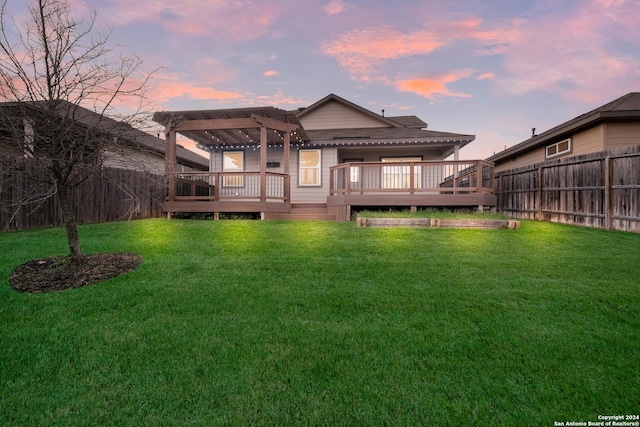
(461, 142)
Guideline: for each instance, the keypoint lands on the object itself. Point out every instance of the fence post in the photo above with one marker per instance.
(540, 213)
(501, 194)
(607, 205)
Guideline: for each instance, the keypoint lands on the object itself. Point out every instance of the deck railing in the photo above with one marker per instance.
(218, 186)
(427, 177)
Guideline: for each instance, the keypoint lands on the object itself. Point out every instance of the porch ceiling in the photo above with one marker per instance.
(239, 127)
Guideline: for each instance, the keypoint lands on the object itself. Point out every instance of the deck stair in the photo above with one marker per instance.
(308, 211)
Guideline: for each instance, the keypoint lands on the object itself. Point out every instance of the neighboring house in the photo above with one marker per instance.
(141, 151)
(321, 160)
(613, 125)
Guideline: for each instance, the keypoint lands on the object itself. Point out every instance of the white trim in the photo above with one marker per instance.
(317, 168)
(556, 150)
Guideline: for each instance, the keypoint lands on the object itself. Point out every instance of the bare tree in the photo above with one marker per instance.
(70, 99)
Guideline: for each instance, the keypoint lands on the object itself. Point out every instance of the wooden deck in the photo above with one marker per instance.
(228, 192)
(410, 184)
(375, 184)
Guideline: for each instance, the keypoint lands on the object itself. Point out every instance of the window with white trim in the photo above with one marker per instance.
(310, 168)
(559, 148)
(232, 161)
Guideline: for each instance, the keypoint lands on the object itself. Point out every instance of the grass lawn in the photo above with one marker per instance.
(324, 323)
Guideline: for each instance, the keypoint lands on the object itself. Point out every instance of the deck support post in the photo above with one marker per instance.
(170, 161)
(263, 167)
(263, 164)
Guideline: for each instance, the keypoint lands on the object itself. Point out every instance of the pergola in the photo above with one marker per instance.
(231, 128)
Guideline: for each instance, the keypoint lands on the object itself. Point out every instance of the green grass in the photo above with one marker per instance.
(322, 323)
(431, 213)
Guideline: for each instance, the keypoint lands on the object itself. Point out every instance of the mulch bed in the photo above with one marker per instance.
(62, 272)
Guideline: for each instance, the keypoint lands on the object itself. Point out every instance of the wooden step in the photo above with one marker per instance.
(309, 217)
(308, 211)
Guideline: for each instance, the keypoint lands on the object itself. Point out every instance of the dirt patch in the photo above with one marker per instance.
(62, 272)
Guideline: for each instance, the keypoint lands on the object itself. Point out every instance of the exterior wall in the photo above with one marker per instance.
(587, 141)
(135, 160)
(251, 159)
(9, 148)
(376, 153)
(312, 194)
(622, 135)
(335, 115)
(298, 194)
(140, 161)
(521, 159)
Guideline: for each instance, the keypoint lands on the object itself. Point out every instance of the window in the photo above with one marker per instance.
(310, 167)
(232, 161)
(355, 172)
(400, 176)
(559, 148)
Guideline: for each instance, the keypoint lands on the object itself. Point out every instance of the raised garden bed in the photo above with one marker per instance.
(437, 223)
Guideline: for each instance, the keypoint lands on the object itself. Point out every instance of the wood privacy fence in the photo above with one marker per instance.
(599, 190)
(117, 194)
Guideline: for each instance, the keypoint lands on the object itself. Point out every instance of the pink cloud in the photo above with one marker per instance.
(360, 51)
(485, 76)
(280, 100)
(587, 55)
(335, 7)
(270, 73)
(231, 20)
(167, 86)
(435, 86)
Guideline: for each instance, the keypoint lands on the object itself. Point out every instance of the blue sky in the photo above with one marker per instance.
(493, 68)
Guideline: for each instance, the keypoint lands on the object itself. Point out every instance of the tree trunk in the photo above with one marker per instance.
(69, 218)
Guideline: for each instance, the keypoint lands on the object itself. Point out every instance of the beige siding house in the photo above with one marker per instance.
(613, 125)
(140, 151)
(319, 161)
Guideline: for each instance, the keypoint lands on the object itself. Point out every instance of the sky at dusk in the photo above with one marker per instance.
(492, 68)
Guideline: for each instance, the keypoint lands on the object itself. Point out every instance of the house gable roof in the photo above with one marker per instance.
(626, 107)
(372, 119)
(371, 129)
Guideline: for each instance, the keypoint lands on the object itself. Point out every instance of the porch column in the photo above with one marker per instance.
(286, 159)
(170, 162)
(287, 148)
(263, 163)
